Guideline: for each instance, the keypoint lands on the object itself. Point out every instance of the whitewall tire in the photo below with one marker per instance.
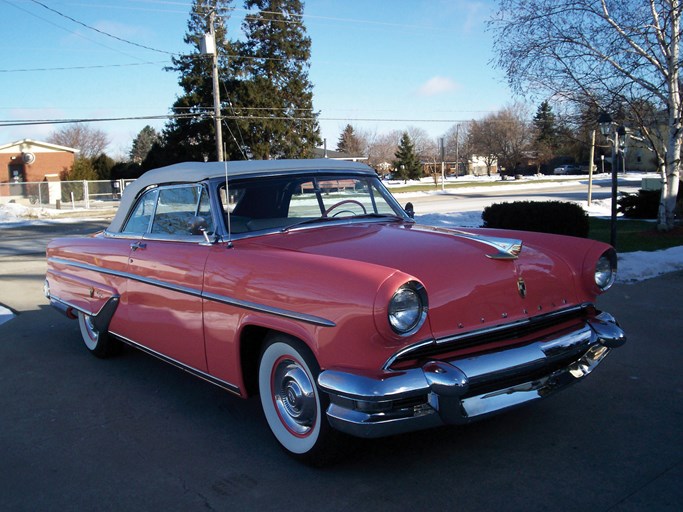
(98, 343)
(293, 405)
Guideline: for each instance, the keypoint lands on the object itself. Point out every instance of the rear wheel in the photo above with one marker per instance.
(100, 344)
(293, 405)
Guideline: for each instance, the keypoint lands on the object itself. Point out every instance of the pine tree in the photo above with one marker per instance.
(407, 163)
(142, 144)
(349, 142)
(191, 134)
(544, 124)
(276, 86)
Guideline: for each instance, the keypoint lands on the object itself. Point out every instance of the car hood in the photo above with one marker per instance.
(470, 282)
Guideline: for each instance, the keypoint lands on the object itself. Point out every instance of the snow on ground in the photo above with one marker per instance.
(5, 315)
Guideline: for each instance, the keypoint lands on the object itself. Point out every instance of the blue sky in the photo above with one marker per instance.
(392, 63)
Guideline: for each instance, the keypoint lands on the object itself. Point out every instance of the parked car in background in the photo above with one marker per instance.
(305, 283)
(567, 169)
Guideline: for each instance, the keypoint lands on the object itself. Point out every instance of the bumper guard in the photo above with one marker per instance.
(462, 390)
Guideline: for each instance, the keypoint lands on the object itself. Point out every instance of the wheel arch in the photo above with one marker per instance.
(252, 339)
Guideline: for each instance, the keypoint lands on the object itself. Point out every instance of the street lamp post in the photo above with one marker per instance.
(606, 128)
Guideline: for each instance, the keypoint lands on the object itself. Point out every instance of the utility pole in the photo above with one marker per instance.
(212, 50)
(442, 153)
(590, 168)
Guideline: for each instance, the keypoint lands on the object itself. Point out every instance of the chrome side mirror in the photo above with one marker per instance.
(410, 210)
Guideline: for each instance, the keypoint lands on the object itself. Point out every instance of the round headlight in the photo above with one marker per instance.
(606, 270)
(408, 309)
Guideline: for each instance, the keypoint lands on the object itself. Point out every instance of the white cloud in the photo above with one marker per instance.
(437, 85)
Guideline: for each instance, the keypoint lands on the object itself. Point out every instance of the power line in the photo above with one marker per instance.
(76, 68)
(67, 30)
(98, 30)
(207, 114)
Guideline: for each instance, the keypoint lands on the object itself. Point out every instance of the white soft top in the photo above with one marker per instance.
(193, 172)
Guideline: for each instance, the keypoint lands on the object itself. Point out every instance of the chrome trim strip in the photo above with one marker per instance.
(77, 308)
(252, 306)
(482, 332)
(311, 319)
(193, 371)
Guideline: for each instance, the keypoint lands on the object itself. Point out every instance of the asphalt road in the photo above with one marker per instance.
(132, 433)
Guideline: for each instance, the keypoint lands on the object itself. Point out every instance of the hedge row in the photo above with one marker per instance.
(545, 217)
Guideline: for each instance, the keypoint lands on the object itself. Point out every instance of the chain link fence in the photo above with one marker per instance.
(60, 195)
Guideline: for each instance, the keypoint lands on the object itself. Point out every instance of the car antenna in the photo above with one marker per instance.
(227, 200)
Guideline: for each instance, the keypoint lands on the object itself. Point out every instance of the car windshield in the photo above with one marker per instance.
(284, 203)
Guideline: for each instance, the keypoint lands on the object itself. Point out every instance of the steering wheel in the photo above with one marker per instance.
(345, 201)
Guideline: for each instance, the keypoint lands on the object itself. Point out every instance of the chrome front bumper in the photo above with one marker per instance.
(462, 390)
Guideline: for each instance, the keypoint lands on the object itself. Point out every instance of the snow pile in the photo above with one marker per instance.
(5, 315)
(637, 266)
(12, 213)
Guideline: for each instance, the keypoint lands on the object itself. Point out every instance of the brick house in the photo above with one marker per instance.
(31, 161)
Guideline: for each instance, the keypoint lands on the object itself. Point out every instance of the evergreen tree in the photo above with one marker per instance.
(82, 169)
(142, 144)
(349, 142)
(407, 163)
(103, 166)
(191, 134)
(276, 85)
(544, 125)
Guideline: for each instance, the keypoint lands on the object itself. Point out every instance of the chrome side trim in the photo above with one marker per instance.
(189, 369)
(223, 299)
(310, 319)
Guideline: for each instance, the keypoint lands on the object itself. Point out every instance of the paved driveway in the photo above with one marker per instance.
(131, 433)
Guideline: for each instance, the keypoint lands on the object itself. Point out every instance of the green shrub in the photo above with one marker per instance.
(642, 205)
(545, 217)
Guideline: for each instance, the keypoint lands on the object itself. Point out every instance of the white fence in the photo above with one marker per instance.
(64, 194)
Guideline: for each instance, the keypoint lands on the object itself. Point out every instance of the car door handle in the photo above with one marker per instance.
(138, 245)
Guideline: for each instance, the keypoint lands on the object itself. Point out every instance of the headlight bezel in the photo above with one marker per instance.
(605, 270)
(407, 309)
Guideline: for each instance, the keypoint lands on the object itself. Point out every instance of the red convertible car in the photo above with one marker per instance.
(306, 283)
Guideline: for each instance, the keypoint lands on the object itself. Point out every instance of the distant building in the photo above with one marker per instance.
(31, 161)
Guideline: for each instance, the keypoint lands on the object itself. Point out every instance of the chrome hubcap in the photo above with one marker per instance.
(294, 396)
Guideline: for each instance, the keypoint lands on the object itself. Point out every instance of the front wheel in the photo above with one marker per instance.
(99, 344)
(293, 405)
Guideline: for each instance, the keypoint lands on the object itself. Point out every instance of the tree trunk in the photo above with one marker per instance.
(665, 221)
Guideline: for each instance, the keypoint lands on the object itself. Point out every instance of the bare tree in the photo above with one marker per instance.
(426, 147)
(90, 142)
(501, 137)
(516, 136)
(601, 52)
(382, 148)
(483, 137)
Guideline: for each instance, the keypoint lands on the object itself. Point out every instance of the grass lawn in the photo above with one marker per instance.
(635, 235)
